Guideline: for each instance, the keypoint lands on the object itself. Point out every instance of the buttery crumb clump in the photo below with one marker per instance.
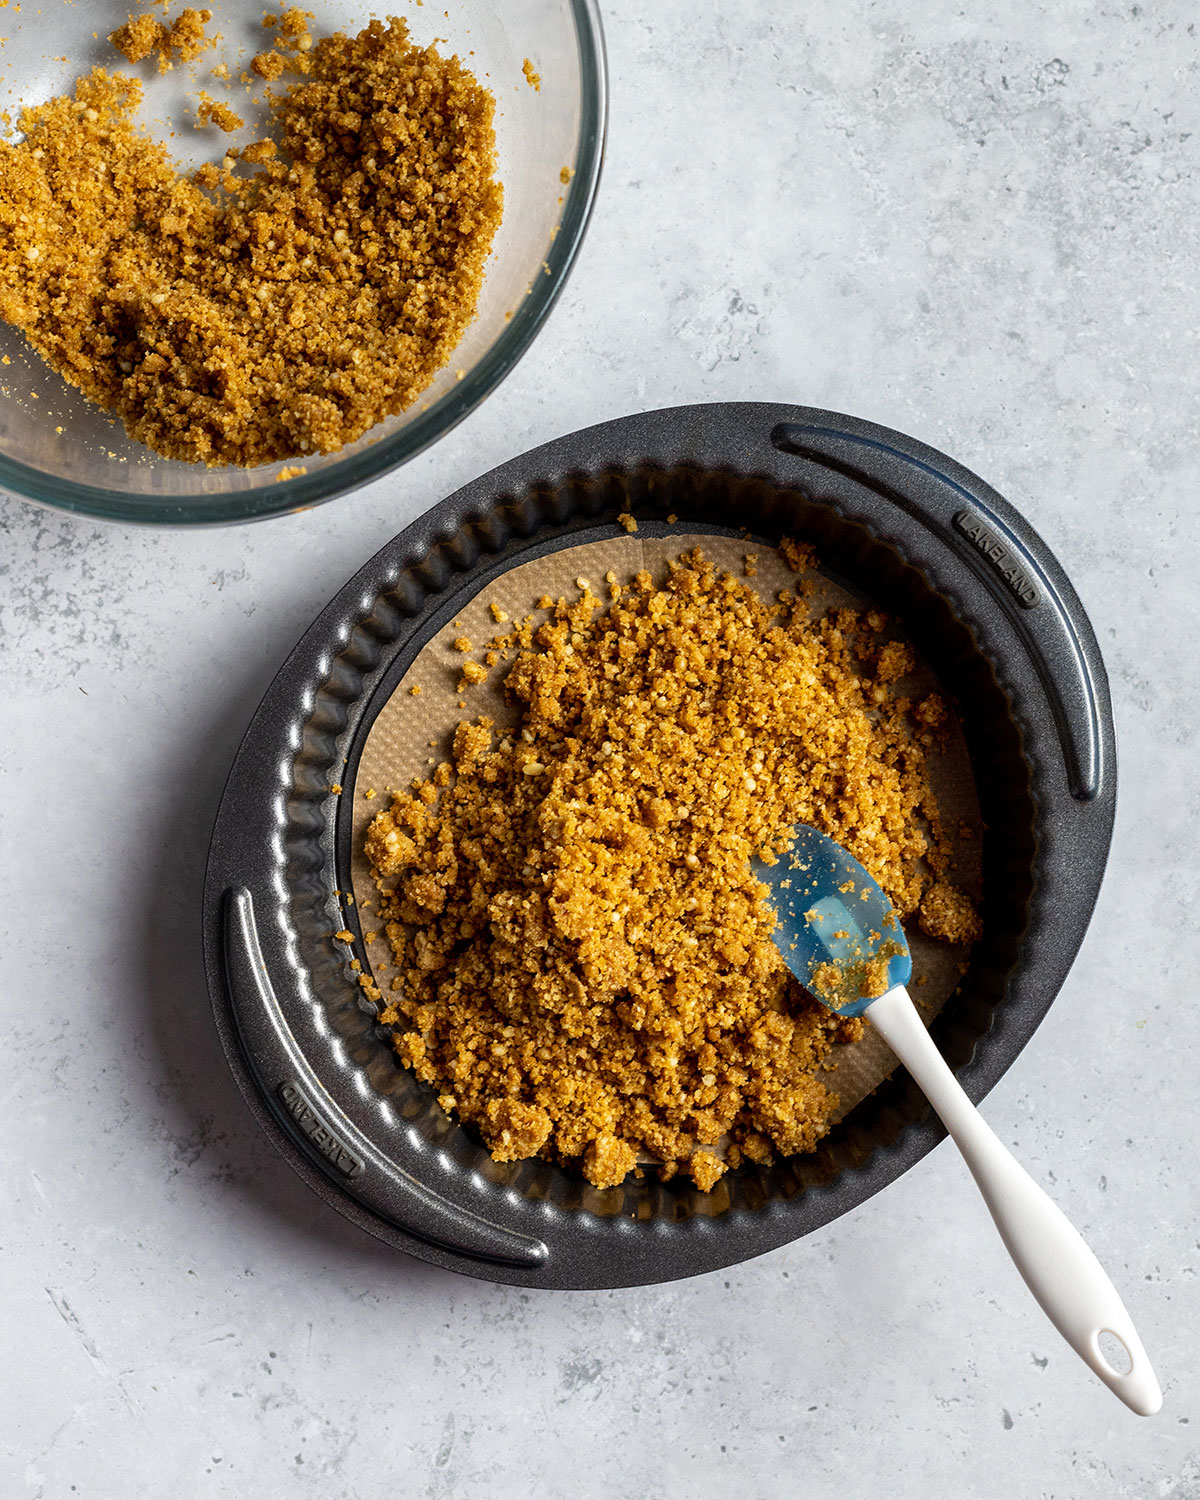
(268, 65)
(142, 35)
(585, 968)
(948, 915)
(138, 38)
(248, 317)
(214, 112)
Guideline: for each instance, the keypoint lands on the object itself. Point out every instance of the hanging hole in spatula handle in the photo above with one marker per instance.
(1112, 1351)
(1122, 1363)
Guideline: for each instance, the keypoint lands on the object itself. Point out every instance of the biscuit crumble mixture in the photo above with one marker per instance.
(214, 112)
(142, 35)
(246, 317)
(585, 969)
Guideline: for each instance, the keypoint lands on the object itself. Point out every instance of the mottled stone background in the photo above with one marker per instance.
(977, 224)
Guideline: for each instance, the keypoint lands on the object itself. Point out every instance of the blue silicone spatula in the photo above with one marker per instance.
(838, 934)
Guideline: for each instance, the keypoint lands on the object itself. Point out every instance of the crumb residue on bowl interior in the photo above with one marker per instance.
(584, 963)
(235, 317)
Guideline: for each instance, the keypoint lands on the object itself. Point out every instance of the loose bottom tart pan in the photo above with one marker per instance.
(995, 622)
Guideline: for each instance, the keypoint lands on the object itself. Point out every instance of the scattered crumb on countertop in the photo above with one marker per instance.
(214, 112)
(142, 35)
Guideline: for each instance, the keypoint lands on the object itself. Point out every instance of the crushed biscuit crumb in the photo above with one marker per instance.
(896, 660)
(138, 38)
(948, 915)
(142, 35)
(584, 958)
(249, 320)
(268, 65)
(214, 112)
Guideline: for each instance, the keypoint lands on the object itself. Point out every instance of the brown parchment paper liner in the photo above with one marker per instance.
(411, 735)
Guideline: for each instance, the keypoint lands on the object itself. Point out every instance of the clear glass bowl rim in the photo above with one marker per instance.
(202, 508)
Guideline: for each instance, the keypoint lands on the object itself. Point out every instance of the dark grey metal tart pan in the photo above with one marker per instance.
(983, 599)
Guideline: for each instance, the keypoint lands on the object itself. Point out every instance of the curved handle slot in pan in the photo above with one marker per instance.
(321, 1128)
(1015, 569)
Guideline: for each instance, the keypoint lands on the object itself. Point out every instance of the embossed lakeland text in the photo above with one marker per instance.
(1001, 556)
(318, 1132)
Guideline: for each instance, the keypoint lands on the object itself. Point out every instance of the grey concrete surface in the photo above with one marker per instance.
(977, 224)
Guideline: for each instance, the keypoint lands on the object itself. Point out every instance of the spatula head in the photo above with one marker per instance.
(836, 930)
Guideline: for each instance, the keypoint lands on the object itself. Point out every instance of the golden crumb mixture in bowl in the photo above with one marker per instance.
(250, 258)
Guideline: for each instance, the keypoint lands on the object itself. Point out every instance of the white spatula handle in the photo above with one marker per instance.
(1059, 1269)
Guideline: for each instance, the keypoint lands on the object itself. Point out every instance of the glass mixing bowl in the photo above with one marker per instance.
(59, 450)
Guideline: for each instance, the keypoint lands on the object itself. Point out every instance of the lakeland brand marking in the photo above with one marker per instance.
(315, 1128)
(1000, 555)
